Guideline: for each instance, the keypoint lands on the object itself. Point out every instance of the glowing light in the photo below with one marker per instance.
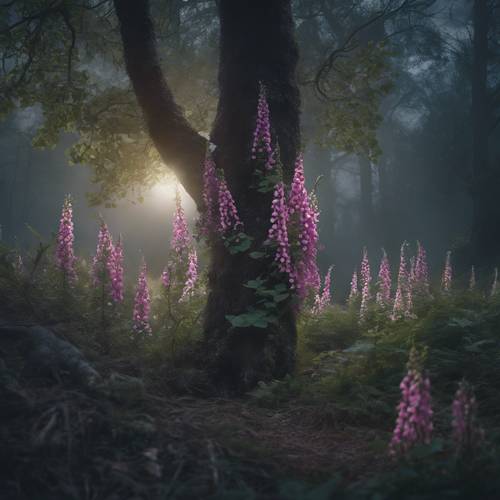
(165, 188)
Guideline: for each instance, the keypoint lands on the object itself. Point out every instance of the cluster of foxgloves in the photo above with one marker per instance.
(414, 423)
(413, 281)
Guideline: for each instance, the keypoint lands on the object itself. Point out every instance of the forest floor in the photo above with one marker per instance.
(117, 439)
(77, 424)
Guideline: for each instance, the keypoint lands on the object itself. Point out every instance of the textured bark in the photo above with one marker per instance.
(179, 145)
(257, 44)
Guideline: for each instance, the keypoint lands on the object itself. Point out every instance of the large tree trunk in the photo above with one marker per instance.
(256, 44)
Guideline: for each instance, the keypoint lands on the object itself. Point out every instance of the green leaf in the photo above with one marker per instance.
(257, 255)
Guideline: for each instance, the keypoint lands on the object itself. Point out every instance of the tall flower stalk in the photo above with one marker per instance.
(400, 308)
(116, 274)
(414, 420)
(354, 290)
(322, 300)
(421, 274)
(304, 218)
(229, 220)
(278, 233)
(384, 282)
(181, 237)
(102, 264)
(65, 256)
(191, 276)
(142, 304)
(261, 145)
(366, 279)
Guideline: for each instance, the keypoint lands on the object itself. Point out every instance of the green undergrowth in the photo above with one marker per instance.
(168, 439)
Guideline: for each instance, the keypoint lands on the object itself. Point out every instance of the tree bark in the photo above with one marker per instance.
(180, 146)
(256, 44)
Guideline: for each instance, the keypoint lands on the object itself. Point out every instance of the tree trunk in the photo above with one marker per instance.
(366, 201)
(485, 230)
(256, 44)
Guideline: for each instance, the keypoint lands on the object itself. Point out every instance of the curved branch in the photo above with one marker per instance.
(179, 145)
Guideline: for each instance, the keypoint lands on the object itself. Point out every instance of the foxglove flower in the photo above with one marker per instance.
(304, 217)
(447, 274)
(261, 145)
(322, 300)
(229, 219)
(421, 275)
(278, 232)
(366, 279)
(400, 307)
(65, 257)
(102, 264)
(210, 196)
(116, 264)
(142, 303)
(384, 282)
(181, 237)
(192, 275)
(354, 291)
(414, 421)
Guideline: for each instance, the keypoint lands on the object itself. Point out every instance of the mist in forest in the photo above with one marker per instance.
(392, 148)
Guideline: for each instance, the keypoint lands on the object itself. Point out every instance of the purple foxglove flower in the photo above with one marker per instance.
(117, 286)
(142, 304)
(278, 232)
(354, 291)
(229, 219)
(181, 237)
(366, 279)
(65, 257)
(384, 282)
(414, 420)
(192, 275)
(102, 264)
(401, 307)
(261, 145)
(304, 217)
(321, 301)
(421, 274)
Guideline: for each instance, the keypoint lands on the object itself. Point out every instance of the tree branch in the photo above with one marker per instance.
(179, 145)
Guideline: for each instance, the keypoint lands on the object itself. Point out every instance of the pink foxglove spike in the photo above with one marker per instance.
(384, 282)
(65, 257)
(142, 304)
